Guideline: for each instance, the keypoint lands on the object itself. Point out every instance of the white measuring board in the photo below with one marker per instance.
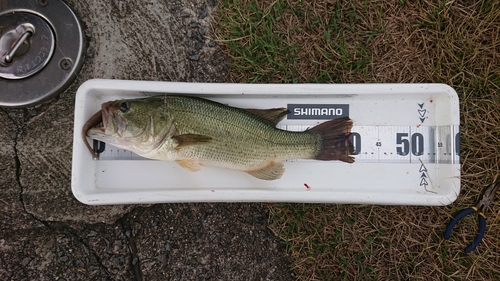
(406, 139)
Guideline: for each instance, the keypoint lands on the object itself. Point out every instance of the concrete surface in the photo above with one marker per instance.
(45, 234)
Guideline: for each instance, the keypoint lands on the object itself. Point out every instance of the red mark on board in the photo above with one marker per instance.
(419, 125)
(307, 186)
(431, 101)
(212, 190)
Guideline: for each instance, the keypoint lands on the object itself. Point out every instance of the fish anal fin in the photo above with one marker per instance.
(189, 164)
(273, 171)
(190, 139)
(273, 115)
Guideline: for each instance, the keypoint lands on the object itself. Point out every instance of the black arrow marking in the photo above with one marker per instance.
(422, 112)
(422, 168)
(422, 120)
(421, 105)
(423, 181)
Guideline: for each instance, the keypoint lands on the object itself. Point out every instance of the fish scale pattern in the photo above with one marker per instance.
(240, 139)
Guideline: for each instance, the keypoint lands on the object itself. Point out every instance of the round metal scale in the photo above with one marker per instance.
(41, 47)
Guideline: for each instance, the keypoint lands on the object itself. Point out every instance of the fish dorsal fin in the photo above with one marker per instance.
(274, 115)
(273, 171)
(190, 139)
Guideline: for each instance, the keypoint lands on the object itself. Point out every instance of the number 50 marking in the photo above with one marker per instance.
(403, 142)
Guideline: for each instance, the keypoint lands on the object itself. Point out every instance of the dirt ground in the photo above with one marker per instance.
(46, 234)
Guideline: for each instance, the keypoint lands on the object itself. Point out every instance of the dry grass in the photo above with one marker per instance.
(453, 42)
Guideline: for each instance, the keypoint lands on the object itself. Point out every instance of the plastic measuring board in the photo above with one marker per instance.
(406, 139)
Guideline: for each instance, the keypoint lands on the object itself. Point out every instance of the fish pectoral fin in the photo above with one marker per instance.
(192, 165)
(274, 115)
(273, 171)
(190, 139)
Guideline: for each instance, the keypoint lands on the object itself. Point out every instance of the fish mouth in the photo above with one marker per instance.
(108, 114)
(96, 124)
(104, 124)
(93, 121)
(105, 112)
(100, 122)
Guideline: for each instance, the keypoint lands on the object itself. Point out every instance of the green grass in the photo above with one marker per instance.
(260, 50)
(434, 41)
(268, 45)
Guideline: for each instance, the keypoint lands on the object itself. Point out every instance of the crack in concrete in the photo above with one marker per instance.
(19, 169)
(135, 263)
(18, 175)
(69, 231)
(65, 229)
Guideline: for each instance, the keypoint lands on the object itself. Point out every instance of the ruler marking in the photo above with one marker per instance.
(410, 134)
(374, 144)
(378, 144)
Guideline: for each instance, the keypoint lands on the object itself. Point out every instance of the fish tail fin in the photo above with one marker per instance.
(335, 143)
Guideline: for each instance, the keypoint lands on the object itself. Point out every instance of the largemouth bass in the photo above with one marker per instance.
(196, 132)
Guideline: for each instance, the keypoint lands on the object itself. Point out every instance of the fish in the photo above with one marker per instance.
(196, 132)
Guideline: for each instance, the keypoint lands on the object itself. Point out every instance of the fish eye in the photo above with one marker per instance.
(124, 106)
